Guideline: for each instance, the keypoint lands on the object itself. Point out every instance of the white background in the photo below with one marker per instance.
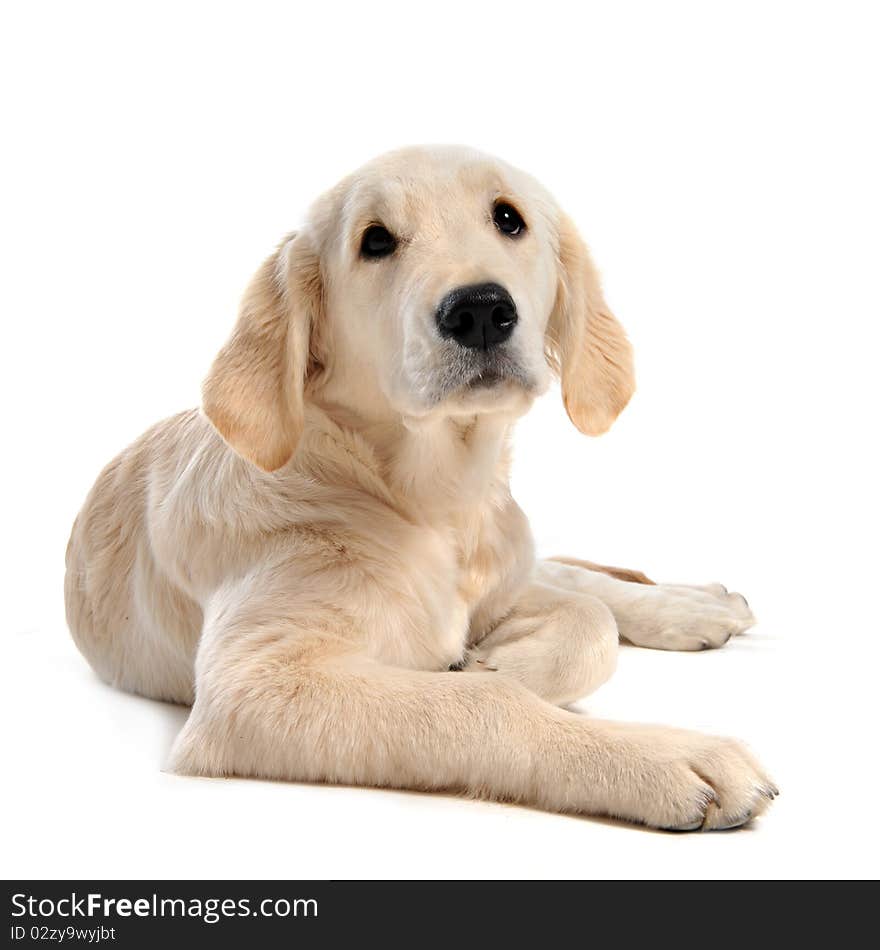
(721, 159)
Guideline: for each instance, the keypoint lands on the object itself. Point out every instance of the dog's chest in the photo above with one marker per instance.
(465, 578)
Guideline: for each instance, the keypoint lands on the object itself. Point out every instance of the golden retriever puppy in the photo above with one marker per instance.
(326, 562)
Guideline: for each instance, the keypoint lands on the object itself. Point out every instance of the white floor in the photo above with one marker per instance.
(86, 795)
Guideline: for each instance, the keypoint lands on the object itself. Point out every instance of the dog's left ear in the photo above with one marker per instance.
(585, 343)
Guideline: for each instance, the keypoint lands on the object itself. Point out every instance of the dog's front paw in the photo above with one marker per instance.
(676, 617)
(691, 782)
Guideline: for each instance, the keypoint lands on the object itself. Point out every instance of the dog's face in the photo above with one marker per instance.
(440, 276)
(432, 282)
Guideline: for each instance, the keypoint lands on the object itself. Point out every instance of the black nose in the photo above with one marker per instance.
(482, 315)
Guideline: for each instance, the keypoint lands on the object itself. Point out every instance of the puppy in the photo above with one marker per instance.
(326, 562)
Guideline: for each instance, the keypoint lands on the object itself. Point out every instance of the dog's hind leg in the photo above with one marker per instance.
(621, 573)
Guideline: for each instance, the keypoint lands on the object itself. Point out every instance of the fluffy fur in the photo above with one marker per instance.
(326, 562)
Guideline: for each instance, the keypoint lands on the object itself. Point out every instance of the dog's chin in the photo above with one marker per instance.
(471, 382)
(490, 391)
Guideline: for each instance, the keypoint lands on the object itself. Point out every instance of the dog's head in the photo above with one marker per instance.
(434, 281)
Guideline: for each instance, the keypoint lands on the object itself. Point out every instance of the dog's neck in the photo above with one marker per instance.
(434, 468)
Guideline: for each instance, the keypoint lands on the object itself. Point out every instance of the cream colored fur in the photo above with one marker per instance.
(305, 558)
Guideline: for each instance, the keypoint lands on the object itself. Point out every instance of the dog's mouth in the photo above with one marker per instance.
(485, 370)
(476, 376)
(487, 379)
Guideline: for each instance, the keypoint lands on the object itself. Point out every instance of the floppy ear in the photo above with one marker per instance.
(254, 392)
(585, 343)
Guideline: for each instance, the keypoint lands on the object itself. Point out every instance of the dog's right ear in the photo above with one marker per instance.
(254, 392)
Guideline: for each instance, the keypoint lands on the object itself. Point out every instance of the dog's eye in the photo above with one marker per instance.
(508, 219)
(377, 242)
